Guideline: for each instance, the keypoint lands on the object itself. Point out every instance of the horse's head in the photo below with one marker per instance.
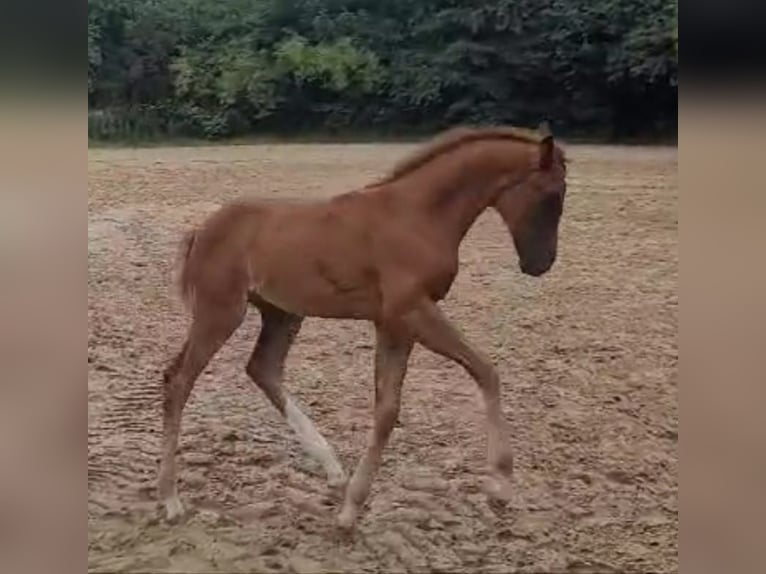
(532, 208)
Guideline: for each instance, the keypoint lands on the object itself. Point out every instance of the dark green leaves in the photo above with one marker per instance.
(212, 68)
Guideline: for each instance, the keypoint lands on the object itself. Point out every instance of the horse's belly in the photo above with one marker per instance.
(320, 299)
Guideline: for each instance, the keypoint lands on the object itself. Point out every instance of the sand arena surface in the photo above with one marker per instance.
(587, 355)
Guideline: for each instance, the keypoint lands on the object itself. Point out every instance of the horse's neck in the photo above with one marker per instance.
(453, 193)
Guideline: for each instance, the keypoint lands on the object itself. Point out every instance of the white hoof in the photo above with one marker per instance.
(337, 479)
(347, 518)
(174, 509)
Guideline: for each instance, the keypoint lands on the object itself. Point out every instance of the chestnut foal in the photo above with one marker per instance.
(386, 254)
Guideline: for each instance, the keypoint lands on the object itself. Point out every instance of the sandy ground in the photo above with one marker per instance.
(588, 358)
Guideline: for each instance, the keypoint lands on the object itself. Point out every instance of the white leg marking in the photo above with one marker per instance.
(313, 442)
(173, 507)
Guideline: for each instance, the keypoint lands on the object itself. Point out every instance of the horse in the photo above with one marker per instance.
(386, 253)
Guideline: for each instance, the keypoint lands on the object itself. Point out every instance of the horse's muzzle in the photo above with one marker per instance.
(535, 268)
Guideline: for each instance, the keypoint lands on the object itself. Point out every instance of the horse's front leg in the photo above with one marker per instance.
(435, 332)
(392, 352)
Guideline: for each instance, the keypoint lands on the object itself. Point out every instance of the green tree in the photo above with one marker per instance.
(211, 68)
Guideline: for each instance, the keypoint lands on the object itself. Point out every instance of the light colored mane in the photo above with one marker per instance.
(452, 139)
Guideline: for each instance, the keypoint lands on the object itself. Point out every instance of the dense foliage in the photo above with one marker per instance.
(217, 68)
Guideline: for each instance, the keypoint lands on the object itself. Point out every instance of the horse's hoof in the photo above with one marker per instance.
(347, 519)
(501, 493)
(337, 481)
(336, 484)
(499, 489)
(504, 464)
(174, 510)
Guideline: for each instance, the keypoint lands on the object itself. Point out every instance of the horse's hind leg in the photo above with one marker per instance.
(265, 368)
(211, 327)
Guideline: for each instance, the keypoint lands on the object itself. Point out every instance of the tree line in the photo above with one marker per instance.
(222, 68)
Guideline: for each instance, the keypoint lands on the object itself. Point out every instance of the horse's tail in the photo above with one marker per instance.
(183, 277)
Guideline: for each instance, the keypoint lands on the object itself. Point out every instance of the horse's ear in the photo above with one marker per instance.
(546, 145)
